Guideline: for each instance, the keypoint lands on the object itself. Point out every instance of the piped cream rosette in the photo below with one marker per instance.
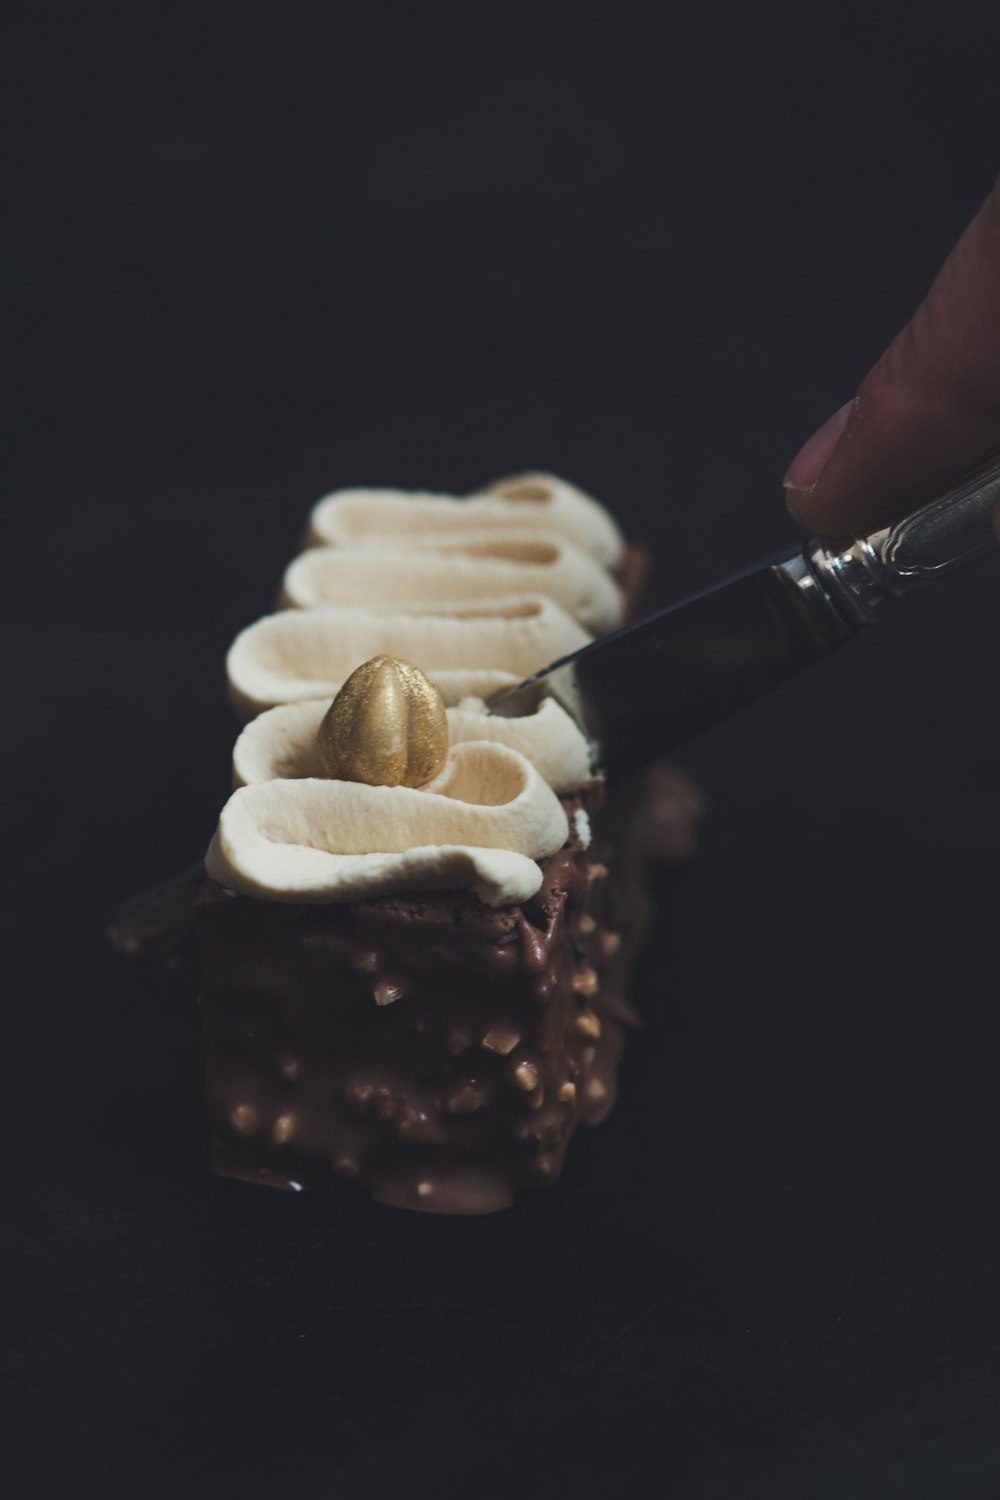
(478, 593)
(309, 653)
(470, 566)
(522, 503)
(481, 825)
(281, 743)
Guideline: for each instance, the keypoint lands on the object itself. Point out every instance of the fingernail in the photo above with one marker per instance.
(814, 455)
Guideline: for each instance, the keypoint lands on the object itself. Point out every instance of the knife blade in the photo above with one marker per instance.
(646, 689)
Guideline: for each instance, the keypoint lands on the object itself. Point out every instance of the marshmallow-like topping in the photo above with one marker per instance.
(281, 743)
(425, 570)
(524, 502)
(481, 826)
(310, 653)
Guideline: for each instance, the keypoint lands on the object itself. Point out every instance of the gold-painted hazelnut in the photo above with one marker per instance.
(386, 727)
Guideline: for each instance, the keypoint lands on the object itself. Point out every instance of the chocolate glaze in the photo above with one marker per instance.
(439, 1051)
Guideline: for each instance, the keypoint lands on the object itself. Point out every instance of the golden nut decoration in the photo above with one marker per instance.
(387, 727)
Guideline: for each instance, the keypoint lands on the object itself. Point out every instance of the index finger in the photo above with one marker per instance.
(929, 409)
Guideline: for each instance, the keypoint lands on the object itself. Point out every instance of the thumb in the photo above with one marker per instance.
(926, 413)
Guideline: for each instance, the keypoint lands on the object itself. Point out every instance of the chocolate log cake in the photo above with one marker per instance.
(419, 921)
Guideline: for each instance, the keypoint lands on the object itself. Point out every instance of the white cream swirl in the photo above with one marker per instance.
(281, 743)
(309, 653)
(479, 593)
(522, 502)
(428, 569)
(482, 825)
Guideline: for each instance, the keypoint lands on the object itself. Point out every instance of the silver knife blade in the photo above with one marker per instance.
(647, 688)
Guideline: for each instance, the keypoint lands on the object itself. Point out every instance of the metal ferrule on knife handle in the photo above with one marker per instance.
(845, 582)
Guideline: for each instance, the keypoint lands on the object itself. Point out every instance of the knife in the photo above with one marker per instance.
(644, 690)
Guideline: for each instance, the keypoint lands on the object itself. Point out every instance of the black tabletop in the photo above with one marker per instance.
(258, 261)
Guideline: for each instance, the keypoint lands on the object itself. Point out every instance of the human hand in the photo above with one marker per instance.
(926, 413)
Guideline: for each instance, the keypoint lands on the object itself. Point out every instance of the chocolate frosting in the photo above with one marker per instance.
(438, 1051)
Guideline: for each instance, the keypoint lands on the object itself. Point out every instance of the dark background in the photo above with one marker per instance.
(651, 249)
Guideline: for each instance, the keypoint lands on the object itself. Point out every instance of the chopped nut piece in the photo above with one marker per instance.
(424, 1189)
(290, 1068)
(283, 1129)
(346, 1166)
(525, 1075)
(366, 962)
(586, 924)
(587, 1060)
(502, 1039)
(244, 1119)
(596, 871)
(567, 1094)
(586, 982)
(459, 1040)
(537, 1099)
(587, 1024)
(610, 943)
(466, 1100)
(388, 991)
(595, 1091)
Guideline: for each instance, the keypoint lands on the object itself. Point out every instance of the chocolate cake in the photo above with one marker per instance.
(420, 985)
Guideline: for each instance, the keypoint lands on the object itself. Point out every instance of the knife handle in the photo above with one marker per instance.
(847, 581)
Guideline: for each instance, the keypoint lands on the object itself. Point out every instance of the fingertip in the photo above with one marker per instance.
(807, 466)
(804, 491)
(799, 506)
